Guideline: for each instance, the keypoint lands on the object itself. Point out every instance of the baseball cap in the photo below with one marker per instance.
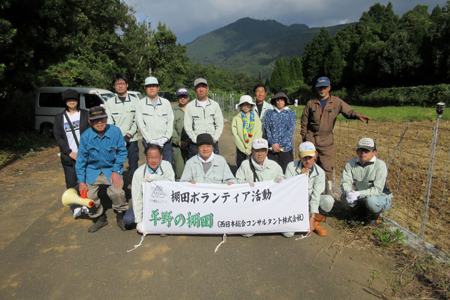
(70, 94)
(260, 144)
(323, 81)
(366, 143)
(151, 80)
(182, 91)
(307, 149)
(200, 80)
(97, 112)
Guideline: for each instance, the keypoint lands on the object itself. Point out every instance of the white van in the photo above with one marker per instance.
(49, 103)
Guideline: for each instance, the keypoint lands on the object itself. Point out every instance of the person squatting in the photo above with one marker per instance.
(181, 144)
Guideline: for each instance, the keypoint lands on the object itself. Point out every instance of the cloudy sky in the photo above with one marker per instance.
(189, 19)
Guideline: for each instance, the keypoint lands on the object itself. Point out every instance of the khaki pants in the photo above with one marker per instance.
(117, 196)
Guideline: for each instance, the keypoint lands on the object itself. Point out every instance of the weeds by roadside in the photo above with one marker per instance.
(416, 275)
(22, 144)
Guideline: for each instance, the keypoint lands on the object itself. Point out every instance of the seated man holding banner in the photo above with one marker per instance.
(155, 168)
(258, 167)
(316, 185)
(206, 166)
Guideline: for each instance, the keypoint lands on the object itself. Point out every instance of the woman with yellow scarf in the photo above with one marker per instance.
(245, 128)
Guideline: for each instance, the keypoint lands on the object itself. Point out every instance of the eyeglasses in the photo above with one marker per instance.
(102, 120)
(120, 83)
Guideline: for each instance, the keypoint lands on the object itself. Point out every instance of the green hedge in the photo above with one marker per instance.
(424, 96)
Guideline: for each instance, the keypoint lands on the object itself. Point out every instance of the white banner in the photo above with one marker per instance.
(186, 208)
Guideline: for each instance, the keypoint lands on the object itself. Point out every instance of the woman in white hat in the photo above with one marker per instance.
(245, 128)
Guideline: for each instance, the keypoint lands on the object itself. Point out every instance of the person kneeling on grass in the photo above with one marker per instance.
(206, 166)
(155, 168)
(259, 168)
(319, 204)
(370, 196)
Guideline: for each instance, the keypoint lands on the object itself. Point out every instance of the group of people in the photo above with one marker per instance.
(181, 144)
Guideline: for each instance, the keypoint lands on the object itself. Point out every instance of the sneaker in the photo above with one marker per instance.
(77, 212)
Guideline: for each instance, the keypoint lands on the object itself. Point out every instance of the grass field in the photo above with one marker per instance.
(393, 113)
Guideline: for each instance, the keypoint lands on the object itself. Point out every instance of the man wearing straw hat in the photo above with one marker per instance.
(316, 186)
(318, 119)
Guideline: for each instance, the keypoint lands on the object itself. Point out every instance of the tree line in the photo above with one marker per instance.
(381, 50)
(83, 43)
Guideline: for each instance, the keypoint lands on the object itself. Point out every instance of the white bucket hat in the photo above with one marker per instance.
(244, 99)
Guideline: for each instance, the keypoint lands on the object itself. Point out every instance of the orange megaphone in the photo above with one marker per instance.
(71, 197)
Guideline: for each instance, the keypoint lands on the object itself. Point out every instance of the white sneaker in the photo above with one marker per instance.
(77, 212)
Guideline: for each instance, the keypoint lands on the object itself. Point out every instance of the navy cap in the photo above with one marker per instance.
(323, 81)
(182, 91)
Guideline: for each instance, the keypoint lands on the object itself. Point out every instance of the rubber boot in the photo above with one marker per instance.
(120, 223)
(319, 229)
(357, 215)
(374, 220)
(328, 188)
(101, 222)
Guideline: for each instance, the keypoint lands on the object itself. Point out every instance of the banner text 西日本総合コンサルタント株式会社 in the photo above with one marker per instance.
(186, 208)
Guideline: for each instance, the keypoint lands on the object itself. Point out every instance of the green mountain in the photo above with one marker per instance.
(251, 46)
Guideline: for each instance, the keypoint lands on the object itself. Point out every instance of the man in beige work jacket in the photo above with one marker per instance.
(202, 115)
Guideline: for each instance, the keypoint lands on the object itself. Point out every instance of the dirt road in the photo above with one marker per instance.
(46, 254)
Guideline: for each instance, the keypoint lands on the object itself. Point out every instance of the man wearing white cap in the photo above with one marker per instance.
(245, 128)
(259, 167)
(203, 115)
(317, 122)
(154, 118)
(364, 186)
(316, 185)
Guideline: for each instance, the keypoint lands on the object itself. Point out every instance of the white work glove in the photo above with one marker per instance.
(154, 142)
(279, 178)
(150, 177)
(162, 141)
(250, 182)
(139, 228)
(352, 196)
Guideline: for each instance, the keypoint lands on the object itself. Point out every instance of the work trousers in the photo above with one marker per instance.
(133, 157)
(117, 196)
(325, 160)
(180, 156)
(374, 204)
(282, 158)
